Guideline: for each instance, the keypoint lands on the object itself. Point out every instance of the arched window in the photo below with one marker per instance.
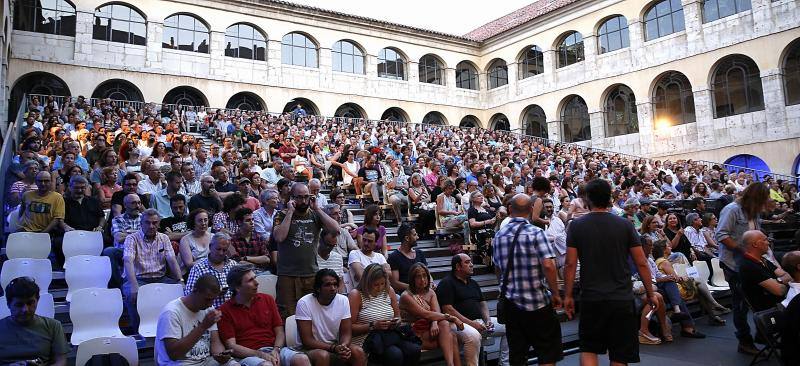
(575, 119)
(185, 96)
(186, 33)
(531, 63)
(51, 17)
(535, 122)
(497, 73)
(613, 34)
(469, 122)
(431, 71)
(570, 49)
(245, 41)
(621, 116)
(119, 23)
(718, 9)
(391, 65)
(347, 57)
(245, 101)
(350, 110)
(466, 76)
(791, 74)
(737, 87)
(673, 100)
(295, 105)
(663, 18)
(500, 123)
(118, 90)
(434, 118)
(299, 50)
(394, 114)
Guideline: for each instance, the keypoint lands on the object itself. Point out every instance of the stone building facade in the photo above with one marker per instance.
(668, 78)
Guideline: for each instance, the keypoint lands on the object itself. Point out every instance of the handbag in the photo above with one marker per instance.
(503, 303)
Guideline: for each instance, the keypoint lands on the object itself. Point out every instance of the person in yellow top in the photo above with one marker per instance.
(775, 193)
(42, 210)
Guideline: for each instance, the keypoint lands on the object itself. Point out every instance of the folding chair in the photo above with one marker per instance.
(149, 302)
(28, 245)
(718, 278)
(95, 313)
(124, 346)
(769, 323)
(79, 242)
(39, 269)
(86, 271)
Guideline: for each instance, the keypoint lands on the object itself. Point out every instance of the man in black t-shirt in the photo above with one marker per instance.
(175, 226)
(207, 199)
(370, 176)
(401, 260)
(762, 284)
(603, 242)
(82, 212)
(460, 296)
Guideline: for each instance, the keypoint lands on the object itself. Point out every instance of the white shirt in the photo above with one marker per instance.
(176, 321)
(334, 262)
(325, 320)
(697, 239)
(357, 256)
(262, 222)
(794, 289)
(148, 187)
(557, 235)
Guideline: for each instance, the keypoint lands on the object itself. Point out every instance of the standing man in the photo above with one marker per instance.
(187, 328)
(523, 256)
(25, 336)
(147, 256)
(460, 296)
(296, 232)
(217, 263)
(735, 219)
(609, 320)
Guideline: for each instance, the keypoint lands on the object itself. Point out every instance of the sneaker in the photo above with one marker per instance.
(748, 349)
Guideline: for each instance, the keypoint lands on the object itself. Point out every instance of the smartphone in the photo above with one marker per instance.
(227, 352)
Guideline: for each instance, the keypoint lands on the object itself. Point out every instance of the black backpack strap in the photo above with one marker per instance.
(510, 261)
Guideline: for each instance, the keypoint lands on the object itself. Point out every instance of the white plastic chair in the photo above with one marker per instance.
(149, 302)
(680, 269)
(28, 245)
(39, 269)
(267, 284)
(46, 307)
(95, 313)
(79, 242)
(125, 346)
(292, 337)
(704, 272)
(718, 279)
(86, 271)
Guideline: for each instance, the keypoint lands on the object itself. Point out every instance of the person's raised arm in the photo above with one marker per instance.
(356, 271)
(329, 223)
(281, 231)
(177, 348)
(411, 306)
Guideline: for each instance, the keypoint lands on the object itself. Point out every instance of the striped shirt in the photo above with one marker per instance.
(373, 309)
(149, 258)
(527, 285)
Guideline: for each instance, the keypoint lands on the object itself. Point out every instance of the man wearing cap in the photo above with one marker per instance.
(244, 188)
(644, 209)
(631, 207)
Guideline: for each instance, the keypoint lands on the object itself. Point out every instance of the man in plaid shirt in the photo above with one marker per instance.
(123, 225)
(530, 302)
(217, 263)
(251, 247)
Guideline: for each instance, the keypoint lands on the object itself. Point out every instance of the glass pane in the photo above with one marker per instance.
(232, 31)
(298, 39)
(100, 28)
(138, 33)
(625, 37)
(246, 31)
(612, 24)
(665, 25)
(358, 65)
(401, 71)
(710, 12)
(651, 30)
(231, 46)
(119, 31)
(743, 5)
(726, 8)
(286, 54)
(311, 57)
(171, 21)
(662, 8)
(336, 61)
(347, 47)
(614, 42)
(185, 22)
(677, 20)
(347, 63)
(246, 48)
(298, 56)
(170, 39)
(201, 41)
(120, 12)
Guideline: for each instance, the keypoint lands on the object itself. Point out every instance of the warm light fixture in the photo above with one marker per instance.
(662, 124)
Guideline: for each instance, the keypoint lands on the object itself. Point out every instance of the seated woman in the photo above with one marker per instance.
(661, 253)
(420, 308)
(450, 214)
(421, 205)
(194, 246)
(346, 218)
(375, 311)
(645, 337)
(481, 224)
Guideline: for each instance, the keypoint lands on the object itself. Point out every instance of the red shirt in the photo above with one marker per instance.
(287, 149)
(252, 327)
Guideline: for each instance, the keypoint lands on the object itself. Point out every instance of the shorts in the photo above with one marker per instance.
(544, 337)
(610, 326)
(286, 357)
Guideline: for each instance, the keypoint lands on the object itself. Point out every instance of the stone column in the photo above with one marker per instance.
(512, 80)
(762, 17)
(413, 71)
(590, 56)
(707, 134)
(693, 19)
(325, 68)
(450, 78)
(371, 67)
(155, 33)
(554, 130)
(644, 113)
(274, 62)
(549, 63)
(597, 127)
(216, 66)
(84, 26)
(636, 37)
(774, 104)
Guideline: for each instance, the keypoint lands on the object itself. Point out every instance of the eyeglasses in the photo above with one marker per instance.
(303, 197)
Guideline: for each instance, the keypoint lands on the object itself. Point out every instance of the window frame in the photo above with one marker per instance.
(570, 106)
(791, 74)
(108, 35)
(258, 37)
(628, 118)
(653, 18)
(180, 29)
(399, 65)
(712, 9)
(533, 111)
(436, 70)
(621, 33)
(563, 50)
(685, 98)
(354, 56)
(751, 86)
(497, 74)
(472, 78)
(304, 47)
(528, 63)
(33, 9)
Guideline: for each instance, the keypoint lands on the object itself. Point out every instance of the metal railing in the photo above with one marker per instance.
(10, 142)
(156, 108)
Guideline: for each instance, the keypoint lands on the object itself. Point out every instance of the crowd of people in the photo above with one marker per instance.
(243, 197)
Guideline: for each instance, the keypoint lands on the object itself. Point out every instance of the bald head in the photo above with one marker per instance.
(521, 205)
(755, 242)
(43, 182)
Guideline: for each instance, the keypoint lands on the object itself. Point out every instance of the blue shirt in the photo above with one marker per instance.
(527, 284)
(160, 202)
(732, 224)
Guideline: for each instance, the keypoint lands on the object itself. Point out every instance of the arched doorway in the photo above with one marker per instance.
(186, 96)
(350, 110)
(36, 83)
(469, 121)
(304, 103)
(434, 118)
(499, 122)
(117, 89)
(245, 101)
(534, 121)
(394, 114)
(738, 162)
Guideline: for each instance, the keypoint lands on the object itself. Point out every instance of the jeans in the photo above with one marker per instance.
(740, 308)
(402, 354)
(285, 355)
(672, 295)
(115, 255)
(130, 304)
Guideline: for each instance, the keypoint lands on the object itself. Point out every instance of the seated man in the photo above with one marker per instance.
(251, 325)
(146, 257)
(82, 212)
(329, 258)
(323, 324)
(187, 328)
(176, 226)
(460, 296)
(360, 259)
(123, 225)
(761, 281)
(42, 211)
(344, 241)
(129, 184)
(25, 336)
(401, 260)
(250, 246)
(217, 263)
